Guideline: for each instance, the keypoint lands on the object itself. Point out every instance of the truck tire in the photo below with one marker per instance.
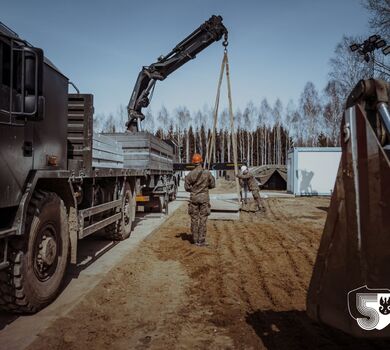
(120, 230)
(38, 260)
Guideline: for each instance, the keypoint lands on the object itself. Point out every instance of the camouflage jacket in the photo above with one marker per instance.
(198, 182)
(251, 181)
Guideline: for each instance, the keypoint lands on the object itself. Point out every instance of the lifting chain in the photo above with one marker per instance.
(211, 141)
(225, 42)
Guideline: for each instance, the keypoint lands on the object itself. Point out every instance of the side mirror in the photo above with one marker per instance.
(33, 81)
(30, 103)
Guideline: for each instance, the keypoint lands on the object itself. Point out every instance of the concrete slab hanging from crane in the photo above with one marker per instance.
(224, 209)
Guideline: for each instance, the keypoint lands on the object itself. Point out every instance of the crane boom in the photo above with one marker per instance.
(210, 31)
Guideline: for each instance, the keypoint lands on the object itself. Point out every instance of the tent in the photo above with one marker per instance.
(271, 177)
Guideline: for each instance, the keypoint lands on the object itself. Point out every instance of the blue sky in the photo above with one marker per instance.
(275, 46)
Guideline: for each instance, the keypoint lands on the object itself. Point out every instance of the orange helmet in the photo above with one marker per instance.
(197, 158)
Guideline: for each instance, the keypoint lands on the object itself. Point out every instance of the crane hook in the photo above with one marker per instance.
(225, 42)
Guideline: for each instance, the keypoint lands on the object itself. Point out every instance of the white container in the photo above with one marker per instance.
(312, 171)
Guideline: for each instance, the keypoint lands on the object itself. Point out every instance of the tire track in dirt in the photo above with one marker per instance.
(220, 265)
(290, 256)
(307, 244)
(286, 281)
(294, 256)
(255, 273)
(269, 213)
(225, 231)
(275, 210)
(307, 236)
(299, 241)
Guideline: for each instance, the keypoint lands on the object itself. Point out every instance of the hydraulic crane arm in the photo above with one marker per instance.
(210, 31)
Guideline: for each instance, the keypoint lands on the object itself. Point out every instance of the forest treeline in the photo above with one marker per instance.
(265, 132)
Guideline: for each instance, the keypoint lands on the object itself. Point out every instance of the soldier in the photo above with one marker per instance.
(247, 181)
(198, 182)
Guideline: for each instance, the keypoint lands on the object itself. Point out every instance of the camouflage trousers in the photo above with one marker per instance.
(199, 213)
(259, 201)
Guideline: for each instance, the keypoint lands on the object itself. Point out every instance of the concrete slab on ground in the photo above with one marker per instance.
(263, 194)
(224, 209)
(224, 205)
(219, 215)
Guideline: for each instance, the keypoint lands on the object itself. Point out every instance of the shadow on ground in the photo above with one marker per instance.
(323, 208)
(185, 237)
(293, 330)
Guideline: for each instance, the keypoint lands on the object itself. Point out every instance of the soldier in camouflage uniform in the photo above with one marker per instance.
(198, 182)
(248, 180)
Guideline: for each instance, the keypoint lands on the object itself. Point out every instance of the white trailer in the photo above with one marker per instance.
(312, 171)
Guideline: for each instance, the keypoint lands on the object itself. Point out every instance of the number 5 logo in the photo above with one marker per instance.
(366, 304)
(368, 307)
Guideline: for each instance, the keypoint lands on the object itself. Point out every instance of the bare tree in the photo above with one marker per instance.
(183, 118)
(190, 143)
(248, 116)
(311, 107)
(297, 128)
(332, 112)
(148, 123)
(223, 122)
(288, 123)
(264, 114)
(109, 124)
(200, 121)
(98, 120)
(380, 16)
(238, 119)
(263, 120)
(208, 116)
(163, 120)
(202, 141)
(348, 67)
(238, 127)
(122, 118)
(277, 113)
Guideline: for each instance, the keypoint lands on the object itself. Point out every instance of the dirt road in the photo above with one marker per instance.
(246, 291)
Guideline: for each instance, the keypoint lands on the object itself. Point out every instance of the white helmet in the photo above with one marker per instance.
(244, 168)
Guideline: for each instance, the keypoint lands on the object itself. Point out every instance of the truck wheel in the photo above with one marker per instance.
(38, 260)
(121, 229)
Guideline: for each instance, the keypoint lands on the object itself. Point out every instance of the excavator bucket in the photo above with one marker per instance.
(350, 286)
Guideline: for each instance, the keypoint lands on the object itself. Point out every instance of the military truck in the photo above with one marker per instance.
(60, 182)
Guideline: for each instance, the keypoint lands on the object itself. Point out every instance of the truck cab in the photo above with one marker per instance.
(33, 119)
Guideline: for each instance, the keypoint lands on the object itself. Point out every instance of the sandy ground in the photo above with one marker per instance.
(246, 291)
